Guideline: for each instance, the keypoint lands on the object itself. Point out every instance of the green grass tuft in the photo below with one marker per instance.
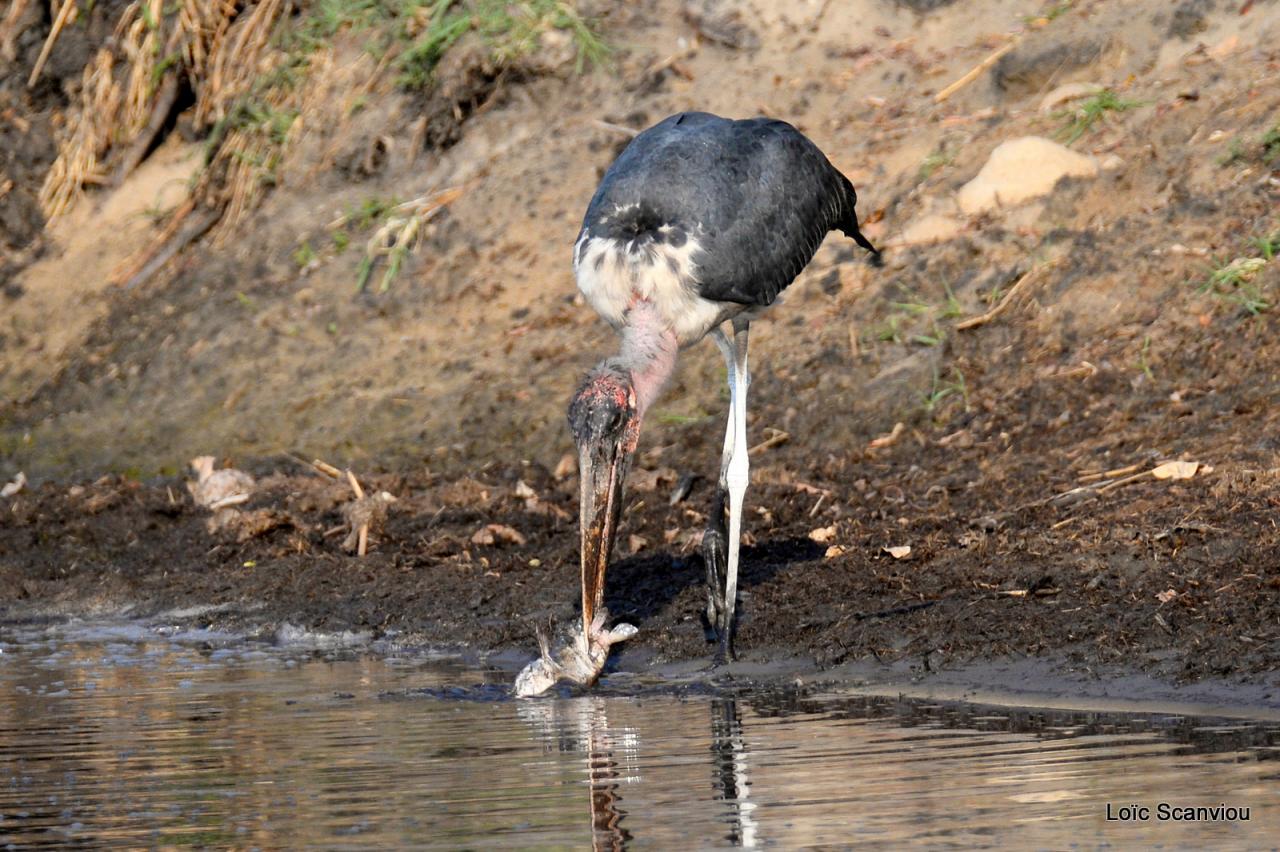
(1091, 111)
(1270, 143)
(1233, 282)
(511, 31)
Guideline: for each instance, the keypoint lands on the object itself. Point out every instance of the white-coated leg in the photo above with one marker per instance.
(737, 476)
(715, 540)
(727, 350)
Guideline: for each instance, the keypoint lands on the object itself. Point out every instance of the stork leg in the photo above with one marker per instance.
(734, 475)
(715, 541)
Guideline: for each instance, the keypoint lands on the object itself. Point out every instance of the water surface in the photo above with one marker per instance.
(124, 736)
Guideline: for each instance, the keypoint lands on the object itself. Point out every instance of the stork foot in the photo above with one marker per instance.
(715, 555)
(725, 653)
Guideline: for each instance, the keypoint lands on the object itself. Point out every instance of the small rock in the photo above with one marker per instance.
(1111, 162)
(822, 535)
(721, 22)
(1022, 169)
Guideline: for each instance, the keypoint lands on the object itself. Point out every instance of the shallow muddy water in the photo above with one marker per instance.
(125, 736)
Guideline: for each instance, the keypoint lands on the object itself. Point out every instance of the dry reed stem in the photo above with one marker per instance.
(355, 485)
(363, 545)
(77, 162)
(326, 468)
(983, 319)
(9, 29)
(973, 73)
(58, 23)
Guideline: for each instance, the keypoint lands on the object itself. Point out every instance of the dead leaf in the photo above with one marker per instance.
(15, 486)
(902, 551)
(493, 533)
(1176, 470)
(566, 467)
(523, 491)
(833, 551)
(888, 440)
(637, 543)
(643, 481)
(1166, 596)
(822, 535)
(1225, 48)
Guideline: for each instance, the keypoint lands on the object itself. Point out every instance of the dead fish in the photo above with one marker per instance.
(218, 489)
(578, 657)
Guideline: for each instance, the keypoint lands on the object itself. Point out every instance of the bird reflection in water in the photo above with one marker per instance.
(729, 773)
(581, 725)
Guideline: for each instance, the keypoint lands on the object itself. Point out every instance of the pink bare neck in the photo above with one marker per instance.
(649, 348)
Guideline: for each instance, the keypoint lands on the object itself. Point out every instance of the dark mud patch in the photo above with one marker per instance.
(1176, 579)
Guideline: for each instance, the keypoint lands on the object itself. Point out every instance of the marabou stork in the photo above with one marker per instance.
(699, 224)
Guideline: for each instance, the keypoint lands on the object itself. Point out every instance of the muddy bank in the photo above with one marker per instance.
(1174, 578)
(1004, 428)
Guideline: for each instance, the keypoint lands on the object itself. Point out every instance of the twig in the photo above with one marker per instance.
(1116, 483)
(161, 252)
(363, 545)
(615, 128)
(327, 469)
(58, 24)
(972, 73)
(1110, 474)
(778, 437)
(672, 62)
(983, 319)
(355, 485)
(166, 97)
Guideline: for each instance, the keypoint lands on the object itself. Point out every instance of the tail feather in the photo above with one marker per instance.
(848, 210)
(856, 235)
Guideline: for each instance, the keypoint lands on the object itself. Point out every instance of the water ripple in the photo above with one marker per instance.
(117, 739)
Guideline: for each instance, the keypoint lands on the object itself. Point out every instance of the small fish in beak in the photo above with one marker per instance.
(578, 657)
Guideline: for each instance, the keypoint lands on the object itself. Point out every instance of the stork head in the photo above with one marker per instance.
(605, 419)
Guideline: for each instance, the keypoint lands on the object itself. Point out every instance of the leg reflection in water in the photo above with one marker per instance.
(729, 774)
(581, 725)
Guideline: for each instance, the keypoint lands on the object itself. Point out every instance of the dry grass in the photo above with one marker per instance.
(260, 73)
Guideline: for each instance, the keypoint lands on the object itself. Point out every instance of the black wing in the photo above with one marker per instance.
(757, 195)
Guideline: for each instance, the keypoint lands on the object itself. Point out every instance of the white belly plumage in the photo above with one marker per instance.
(614, 274)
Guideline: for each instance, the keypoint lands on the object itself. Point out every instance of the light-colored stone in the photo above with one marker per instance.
(1111, 162)
(1021, 169)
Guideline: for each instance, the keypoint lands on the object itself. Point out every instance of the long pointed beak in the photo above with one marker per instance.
(601, 479)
